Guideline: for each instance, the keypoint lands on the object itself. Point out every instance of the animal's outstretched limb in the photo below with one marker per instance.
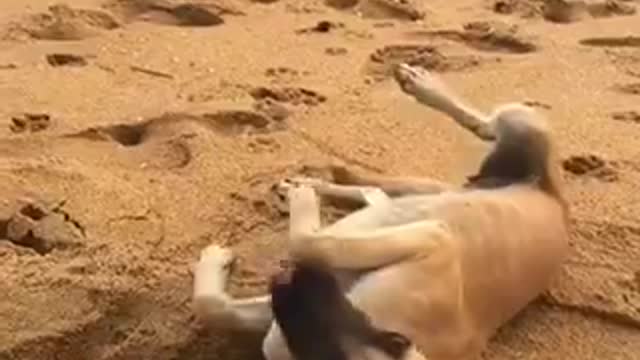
(524, 150)
(366, 189)
(392, 185)
(429, 90)
(212, 304)
(362, 194)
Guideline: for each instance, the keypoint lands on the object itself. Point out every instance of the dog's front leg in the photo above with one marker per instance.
(304, 208)
(213, 305)
(429, 90)
(368, 189)
(356, 249)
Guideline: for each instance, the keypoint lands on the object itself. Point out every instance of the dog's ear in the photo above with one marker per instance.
(392, 343)
(303, 309)
(316, 318)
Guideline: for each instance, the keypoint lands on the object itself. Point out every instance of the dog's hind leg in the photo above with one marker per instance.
(391, 185)
(361, 194)
(212, 304)
(358, 249)
(370, 189)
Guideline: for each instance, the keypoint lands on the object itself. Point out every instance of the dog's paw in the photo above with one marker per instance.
(302, 192)
(216, 254)
(420, 83)
(284, 186)
(407, 77)
(303, 181)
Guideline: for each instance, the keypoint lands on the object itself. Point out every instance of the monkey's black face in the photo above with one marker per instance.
(319, 323)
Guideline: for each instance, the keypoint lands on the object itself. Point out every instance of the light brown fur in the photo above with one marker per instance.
(443, 265)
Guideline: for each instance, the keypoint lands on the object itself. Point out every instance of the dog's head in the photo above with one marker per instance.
(319, 323)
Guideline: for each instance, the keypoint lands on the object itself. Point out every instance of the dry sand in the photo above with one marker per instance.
(133, 133)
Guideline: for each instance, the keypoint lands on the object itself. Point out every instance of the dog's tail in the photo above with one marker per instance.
(316, 317)
(524, 152)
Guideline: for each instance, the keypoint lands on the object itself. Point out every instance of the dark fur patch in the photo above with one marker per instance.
(392, 343)
(509, 163)
(299, 308)
(316, 318)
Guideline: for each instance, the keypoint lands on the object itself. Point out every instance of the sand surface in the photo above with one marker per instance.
(133, 133)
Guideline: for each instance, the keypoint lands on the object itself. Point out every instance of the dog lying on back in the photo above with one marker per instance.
(425, 270)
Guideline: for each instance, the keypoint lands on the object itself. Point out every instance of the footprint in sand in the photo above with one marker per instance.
(171, 13)
(522, 8)
(30, 122)
(590, 165)
(290, 95)
(263, 144)
(626, 59)
(564, 11)
(274, 102)
(630, 41)
(283, 73)
(485, 36)
(163, 142)
(381, 9)
(383, 60)
(158, 142)
(322, 26)
(629, 89)
(62, 22)
(272, 109)
(609, 8)
(630, 116)
(41, 228)
(224, 122)
(243, 122)
(62, 59)
(335, 51)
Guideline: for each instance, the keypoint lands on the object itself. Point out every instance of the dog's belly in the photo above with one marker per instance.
(510, 242)
(416, 302)
(398, 211)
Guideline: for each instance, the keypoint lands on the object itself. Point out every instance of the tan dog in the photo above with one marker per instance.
(426, 270)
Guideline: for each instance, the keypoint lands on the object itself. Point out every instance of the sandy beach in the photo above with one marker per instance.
(133, 133)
